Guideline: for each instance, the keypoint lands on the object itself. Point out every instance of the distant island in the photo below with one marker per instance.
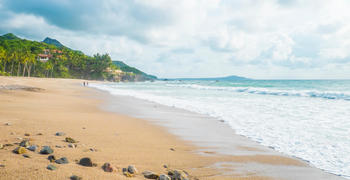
(50, 58)
(227, 78)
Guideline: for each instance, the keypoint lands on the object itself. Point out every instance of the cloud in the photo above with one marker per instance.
(179, 38)
(128, 18)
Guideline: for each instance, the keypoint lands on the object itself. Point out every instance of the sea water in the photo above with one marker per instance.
(308, 119)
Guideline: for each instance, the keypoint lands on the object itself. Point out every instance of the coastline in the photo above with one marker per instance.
(63, 105)
(239, 155)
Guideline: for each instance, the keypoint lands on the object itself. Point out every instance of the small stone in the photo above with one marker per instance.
(46, 150)
(164, 177)
(2, 166)
(62, 160)
(60, 134)
(72, 145)
(107, 167)
(51, 167)
(92, 150)
(172, 149)
(7, 124)
(24, 143)
(39, 134)
(70, 140)
(177, 175)
(8, 145)
(150, 175)
(127, 174)
(20, 150)
(57, 146)
(26, 155)
(165, 166)
(32, 148)
(51, 158)
(19, 138)
(74, 177)
(86, 162)
(26, 134)
(132, 169)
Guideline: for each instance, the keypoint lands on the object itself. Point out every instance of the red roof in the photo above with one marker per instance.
(45, 55)
(56, 51)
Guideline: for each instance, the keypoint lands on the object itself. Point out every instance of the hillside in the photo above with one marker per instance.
(21, 57)
(124, 67)
(9, 36)
(53, 42)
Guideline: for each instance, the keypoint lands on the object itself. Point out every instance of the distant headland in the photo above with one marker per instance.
(226, 78)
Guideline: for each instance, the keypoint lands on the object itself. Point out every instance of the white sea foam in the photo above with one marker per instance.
(290, 121)
(276, 92)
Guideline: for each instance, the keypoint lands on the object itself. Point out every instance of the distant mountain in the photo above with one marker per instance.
(9, 36)
(126, 68)
(230, 78)
(53, 42)
(227, 78)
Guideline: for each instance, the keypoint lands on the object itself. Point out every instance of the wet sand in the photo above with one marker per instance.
(46, 106)
(240, 155)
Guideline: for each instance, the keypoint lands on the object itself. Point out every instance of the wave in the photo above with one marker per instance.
(274, 92)
(324, 143)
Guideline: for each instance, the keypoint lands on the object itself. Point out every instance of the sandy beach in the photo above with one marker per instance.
(37, 109)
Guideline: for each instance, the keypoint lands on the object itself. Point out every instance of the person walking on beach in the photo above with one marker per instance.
(84, 83)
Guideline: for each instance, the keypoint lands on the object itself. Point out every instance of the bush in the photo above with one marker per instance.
(4, 73)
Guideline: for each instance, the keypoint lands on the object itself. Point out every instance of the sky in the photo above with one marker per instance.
(261, 39)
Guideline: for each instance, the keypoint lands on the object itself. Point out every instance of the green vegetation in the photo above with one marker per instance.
(21, 57)
(124, 67)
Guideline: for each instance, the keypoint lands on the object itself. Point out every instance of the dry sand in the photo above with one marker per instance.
(63, 105)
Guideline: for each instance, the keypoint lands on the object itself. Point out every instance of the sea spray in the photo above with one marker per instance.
(306, 119)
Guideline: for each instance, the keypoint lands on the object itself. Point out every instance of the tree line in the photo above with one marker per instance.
(20, 57)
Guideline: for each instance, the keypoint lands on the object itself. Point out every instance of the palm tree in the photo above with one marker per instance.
(2, 57)
(31, 61)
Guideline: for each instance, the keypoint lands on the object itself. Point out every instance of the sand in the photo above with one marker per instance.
(46, 106)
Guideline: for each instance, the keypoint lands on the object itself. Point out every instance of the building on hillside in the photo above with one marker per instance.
(56, 51)
(46, 51)
(47, 54)
(44, 57)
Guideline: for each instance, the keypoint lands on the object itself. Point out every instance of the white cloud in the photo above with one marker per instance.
(258, 39)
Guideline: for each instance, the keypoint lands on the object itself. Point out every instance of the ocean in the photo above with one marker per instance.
(308, 119)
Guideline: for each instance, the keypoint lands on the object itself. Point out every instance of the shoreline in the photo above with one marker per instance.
(225, 141)
(63, 105)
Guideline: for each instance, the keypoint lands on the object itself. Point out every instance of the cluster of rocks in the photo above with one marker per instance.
(129, 171)
(25, 145)
(171, 175)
